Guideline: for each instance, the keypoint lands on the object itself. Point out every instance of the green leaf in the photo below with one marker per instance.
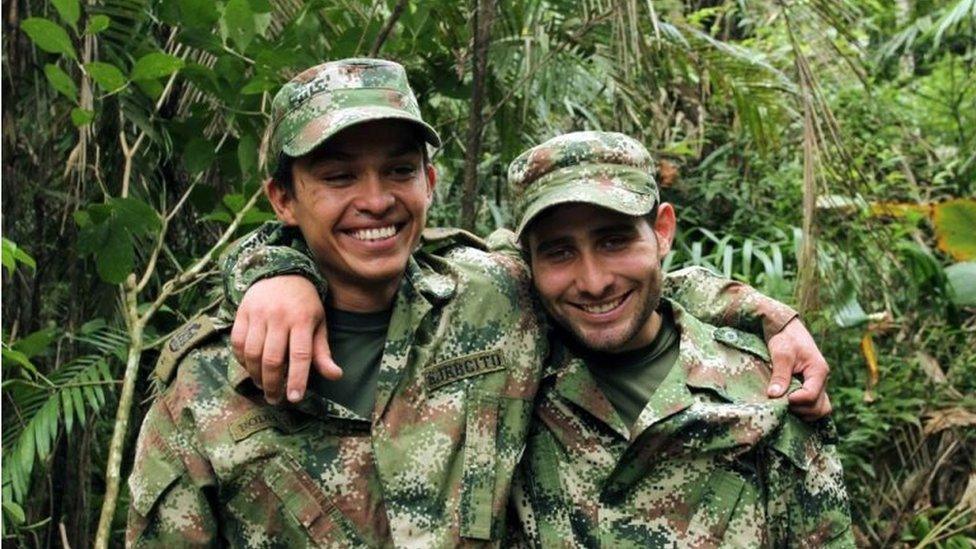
(155, 65)
(106, 75)
(239, 21)
(49, 36)
(36, 342)
(97, 23)
(115, 259)
(955, 225)
(61, 82)
(81, 117)
(962, 283)
(247, 155)
(10, 355)
(15, 512)
(260, 6)
(13, 254)
(135, 215)
(198, 13)
(68, 408)
(198, 155)
(69, 10)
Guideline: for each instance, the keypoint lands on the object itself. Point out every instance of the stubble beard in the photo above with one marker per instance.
(607, 343)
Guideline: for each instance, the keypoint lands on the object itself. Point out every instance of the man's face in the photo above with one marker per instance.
(601, 278)
(361, 202)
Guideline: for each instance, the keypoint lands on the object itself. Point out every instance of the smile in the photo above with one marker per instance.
(602, 308)
(374, 234)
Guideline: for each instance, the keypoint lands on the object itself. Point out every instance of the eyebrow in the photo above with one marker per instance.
(626, 228)
(338, 155)
(551, 243)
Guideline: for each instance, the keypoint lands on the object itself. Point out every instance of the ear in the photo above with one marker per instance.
(281, 200)
(431, 181)
(664, 227)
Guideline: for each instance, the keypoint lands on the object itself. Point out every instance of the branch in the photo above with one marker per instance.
(398, 10)
(172, 285)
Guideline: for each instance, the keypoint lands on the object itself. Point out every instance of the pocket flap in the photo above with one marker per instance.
(157, 470)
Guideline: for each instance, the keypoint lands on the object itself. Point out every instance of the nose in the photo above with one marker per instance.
(592, 278)
(375, 198)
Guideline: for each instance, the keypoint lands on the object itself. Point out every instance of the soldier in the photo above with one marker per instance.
(423, 451)
(440, 345)
(653, 428)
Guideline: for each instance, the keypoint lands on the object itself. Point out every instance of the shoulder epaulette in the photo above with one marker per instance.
(742, 341)
(188, 336)
(437, 239)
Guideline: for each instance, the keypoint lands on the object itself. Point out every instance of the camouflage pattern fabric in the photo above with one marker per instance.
(328, 98)
(432, 467)
(710, 462)
(606, 169)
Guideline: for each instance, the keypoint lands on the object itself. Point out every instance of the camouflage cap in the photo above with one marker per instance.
(602, 168)
(328, 98)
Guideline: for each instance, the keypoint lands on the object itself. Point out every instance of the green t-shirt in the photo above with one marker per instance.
(356, 341)
(629, 379)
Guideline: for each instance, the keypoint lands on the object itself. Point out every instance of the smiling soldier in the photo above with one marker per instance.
(440, 342)
(653, 428)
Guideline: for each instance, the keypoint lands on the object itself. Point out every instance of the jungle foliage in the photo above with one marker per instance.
(823, 151)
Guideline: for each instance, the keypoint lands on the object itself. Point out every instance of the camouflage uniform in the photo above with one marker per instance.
(711, 461)
(431, 467)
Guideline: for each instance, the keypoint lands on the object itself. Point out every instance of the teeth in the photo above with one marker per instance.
(374, 234)
(603, 307)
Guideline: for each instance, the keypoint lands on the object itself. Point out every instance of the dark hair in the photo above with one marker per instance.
(284, 177)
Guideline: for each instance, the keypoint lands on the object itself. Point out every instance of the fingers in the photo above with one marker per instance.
(322, 355)
(238, 335)
(299, 358)
(821, 408)
(253, 351)
(814, 384)
(273, 364)
(783, 364)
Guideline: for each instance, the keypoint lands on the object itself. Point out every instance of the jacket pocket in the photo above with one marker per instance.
(717, 503)
(308, 505)
(478, 480)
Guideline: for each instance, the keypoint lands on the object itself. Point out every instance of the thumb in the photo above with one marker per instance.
(779, 381)
(322, 355)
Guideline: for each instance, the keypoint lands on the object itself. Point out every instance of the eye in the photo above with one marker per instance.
(557, 255)
(614, 243)
(404, 171)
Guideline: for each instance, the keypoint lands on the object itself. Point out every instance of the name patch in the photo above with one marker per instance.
(257, 420)
(463, 367)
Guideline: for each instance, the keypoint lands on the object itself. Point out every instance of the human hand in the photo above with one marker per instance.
(793, 351)
(281, 316)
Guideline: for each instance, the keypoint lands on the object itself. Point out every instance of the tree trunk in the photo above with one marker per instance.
(483, 16)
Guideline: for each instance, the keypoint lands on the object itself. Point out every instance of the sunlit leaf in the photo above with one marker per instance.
(49, 36)
(155, 65)
(239, 21)
(97, 23)
(61, 82)
(106, 75)
(69, 10)
(955, 228)
(81, 117)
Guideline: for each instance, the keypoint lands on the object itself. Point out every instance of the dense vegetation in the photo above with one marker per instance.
(823, 151)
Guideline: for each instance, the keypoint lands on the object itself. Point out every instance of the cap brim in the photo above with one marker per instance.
(612, 198)
(310, 137)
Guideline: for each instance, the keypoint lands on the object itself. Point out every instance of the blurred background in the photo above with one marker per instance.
(822, 151)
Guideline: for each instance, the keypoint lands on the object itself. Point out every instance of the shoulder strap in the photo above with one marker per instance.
(188, 336)
(437, 239)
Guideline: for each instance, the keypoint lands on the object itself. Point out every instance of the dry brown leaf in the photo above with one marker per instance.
(931, 367)
(946, 418)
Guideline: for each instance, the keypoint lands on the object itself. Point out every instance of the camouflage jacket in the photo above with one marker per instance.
(432, 467)
(710, 462)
